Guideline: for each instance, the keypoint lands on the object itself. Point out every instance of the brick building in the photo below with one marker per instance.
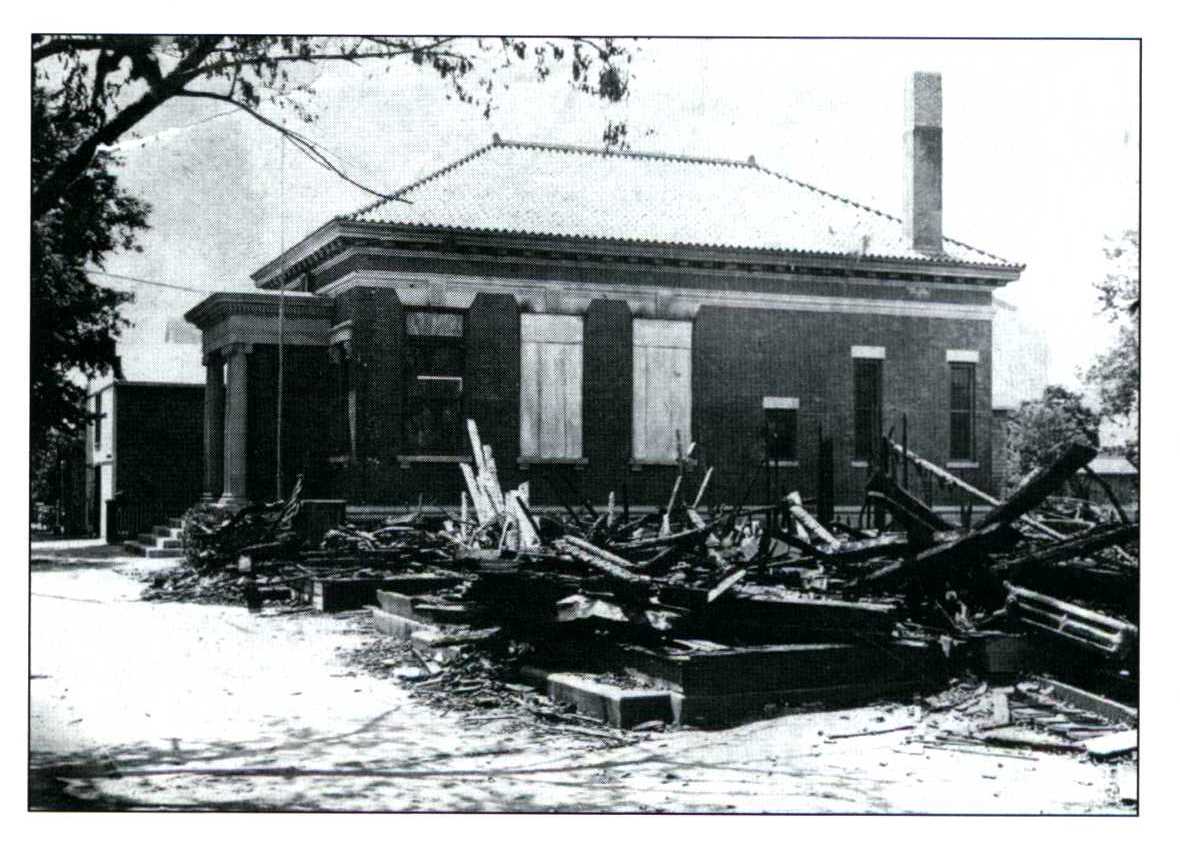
(144, 446)
(595, 311)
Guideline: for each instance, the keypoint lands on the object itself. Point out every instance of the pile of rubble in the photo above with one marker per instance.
(731, 610)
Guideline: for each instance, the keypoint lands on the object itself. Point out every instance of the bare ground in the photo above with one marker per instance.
(137, 705)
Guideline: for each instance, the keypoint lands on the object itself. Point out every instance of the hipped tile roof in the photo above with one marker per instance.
(564, 191)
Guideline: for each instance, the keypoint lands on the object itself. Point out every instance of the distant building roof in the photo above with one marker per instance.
(1020, 358)
(564, 191)
(1108, 464)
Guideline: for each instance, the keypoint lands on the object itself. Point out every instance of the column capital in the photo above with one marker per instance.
(230, 350)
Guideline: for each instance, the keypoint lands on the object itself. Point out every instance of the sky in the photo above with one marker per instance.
(1041, 154)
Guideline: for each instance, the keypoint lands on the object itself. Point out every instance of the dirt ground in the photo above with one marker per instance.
(138, 705)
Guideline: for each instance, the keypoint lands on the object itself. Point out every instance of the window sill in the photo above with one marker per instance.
(639, 464)
(963, 464)
(523, 462)
(783, 463)
(860, 463)
(453, 459)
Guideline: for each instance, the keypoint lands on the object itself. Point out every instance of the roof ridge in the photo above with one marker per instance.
(607, 152)
(413, 185)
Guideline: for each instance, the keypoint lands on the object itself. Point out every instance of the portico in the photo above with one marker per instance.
(234, 327)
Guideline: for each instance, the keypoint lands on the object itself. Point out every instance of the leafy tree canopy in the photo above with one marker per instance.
(1039, 427)
(74, 322)
(1115, 373)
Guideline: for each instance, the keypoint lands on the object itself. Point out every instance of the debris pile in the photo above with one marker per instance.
(730, 609)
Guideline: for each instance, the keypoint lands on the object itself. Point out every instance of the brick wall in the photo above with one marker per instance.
(741, 355)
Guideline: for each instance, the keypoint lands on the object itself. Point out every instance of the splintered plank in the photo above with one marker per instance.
(725, 586)
(949, 478)
(491, 480)
(701, 491)
(483, 507)
(813, 527)
(1041, 485)
(1068, 621)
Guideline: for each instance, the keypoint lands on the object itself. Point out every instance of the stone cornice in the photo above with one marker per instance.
(216, 307)
(321, 246)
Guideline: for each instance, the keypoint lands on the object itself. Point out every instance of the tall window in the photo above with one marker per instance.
(661, 388)
(782, 427)
(866, 406)
(434, 356)
(962, 412)
(550, 386)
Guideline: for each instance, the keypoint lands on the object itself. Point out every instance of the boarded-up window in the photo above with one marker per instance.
(662, 388)
(550, 386)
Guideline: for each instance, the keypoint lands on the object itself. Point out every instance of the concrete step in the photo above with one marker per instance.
(151, 540)
(178, 523)
(140, 549)
(165, 532)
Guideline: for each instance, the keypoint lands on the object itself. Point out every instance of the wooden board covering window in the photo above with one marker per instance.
(662, 388)
(550, 386)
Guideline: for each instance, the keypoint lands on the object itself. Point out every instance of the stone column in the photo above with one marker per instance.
(236, 424)
(214, 427)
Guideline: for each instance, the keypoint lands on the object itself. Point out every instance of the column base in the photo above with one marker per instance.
(232, 501)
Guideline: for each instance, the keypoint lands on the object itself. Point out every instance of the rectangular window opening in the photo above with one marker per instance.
(782, 435)
(962, 412)
(435, 355)
(866, 407)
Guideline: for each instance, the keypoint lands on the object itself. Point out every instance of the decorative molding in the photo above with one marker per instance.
(649, 301)
(316, 252)
(341, 333)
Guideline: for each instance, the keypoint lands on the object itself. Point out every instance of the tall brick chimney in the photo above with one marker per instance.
(922, 200)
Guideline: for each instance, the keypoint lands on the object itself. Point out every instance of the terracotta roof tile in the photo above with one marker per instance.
(565, 191)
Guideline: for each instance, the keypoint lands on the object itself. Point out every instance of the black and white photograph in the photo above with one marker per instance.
(618, 424)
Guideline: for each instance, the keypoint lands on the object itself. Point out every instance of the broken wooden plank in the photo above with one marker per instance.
(1076, 697)
(813, 527)
(704, 485)
(1118, 743)
(725, 585)
(950, 479)
(483, 506)
(1049, 479)
(1070, 622)
(1084, 544)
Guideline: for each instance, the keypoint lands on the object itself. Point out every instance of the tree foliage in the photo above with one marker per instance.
(74, 322)
(1115, 373)
(110, 83)
(1039, 427)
